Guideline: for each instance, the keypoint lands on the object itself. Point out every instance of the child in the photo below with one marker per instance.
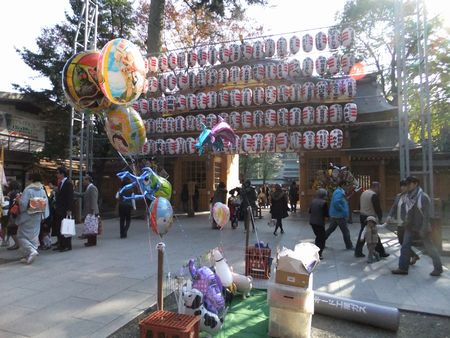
(371, 237)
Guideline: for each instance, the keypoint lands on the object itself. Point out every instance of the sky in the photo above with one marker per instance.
(21, 22)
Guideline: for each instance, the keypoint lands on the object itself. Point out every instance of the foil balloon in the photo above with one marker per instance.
(221, 266)
(161, 216)
(224, 132)
(125, 130)
(80, 82)
(221, 215)
(121, 71)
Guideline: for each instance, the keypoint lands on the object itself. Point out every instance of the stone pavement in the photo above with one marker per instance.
(91, 292)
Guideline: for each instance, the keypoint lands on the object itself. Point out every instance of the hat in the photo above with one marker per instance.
(371, 218)
(412, 179)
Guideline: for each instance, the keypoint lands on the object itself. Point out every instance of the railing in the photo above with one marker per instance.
(22, 144)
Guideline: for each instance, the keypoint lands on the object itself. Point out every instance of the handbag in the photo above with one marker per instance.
(36, 205)
(68, 227)
(90, 225)
(14, 211)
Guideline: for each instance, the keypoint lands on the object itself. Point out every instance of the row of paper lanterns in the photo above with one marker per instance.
(283, 70)
(247, 51)
(270, 118)
(256, 143)
(324, 90)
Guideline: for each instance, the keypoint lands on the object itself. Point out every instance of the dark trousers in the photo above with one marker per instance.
(124, 219)
(342, 223)
(91, 239)
(279, 225)
(319, 231)
(360, 243)
(63, 242)
(400, 235)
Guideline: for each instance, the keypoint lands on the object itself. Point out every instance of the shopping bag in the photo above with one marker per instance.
(90, 225)
(100, 226)
(68, 227)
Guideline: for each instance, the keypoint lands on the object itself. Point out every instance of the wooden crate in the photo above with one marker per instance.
(165, 324)
(257, 262)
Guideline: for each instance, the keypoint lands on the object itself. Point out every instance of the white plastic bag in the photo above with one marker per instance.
(68, 227)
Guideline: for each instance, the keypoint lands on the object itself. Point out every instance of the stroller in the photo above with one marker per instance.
(234, 203)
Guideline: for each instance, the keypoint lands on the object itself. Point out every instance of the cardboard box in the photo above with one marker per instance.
(292, 278)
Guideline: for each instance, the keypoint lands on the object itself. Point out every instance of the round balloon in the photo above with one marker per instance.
(125, 130)
(121, 71)
(221, 214)
(161, 216)
(80, 82)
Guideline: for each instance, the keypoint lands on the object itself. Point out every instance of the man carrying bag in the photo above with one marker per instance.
(63, 209)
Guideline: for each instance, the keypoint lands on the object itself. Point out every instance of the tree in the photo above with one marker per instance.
(259, 166)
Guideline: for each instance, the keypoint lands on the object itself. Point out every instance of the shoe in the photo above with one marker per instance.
(82, 237)
(14, 247)
(23, 260)
(282, 231)
(89, 244)
(436, 273)
(320, 257)
(31, 257)
(275, 234)
(359, 255)
(56, 249)
(413, 260)
(399, 272)
(55, 244)
(350, 248)
(64, 249)
(384, 255)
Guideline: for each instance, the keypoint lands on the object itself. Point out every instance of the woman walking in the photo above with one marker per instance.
(11, 218)
(318, 212)
(279, 207)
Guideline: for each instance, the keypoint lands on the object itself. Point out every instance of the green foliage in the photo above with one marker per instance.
(260, 166)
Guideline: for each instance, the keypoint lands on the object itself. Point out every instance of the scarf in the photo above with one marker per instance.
(414, 198)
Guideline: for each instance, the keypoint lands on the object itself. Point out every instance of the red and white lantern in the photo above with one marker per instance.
(309, 140)
(145, 150)
(258, 50)
(308, 66)
(212, 55)
(258, 141)
(143, 106)
(171, 103)
(235, 120)
(294, 44)
(295, 116)
(258, 71)
(321, 65)
(160, 125)
(225, 117)
(212, 77)
(348, 88)
(282, 141)
(153, 64)
(180, 124)
(211, 100)
(172, 61)
(160, 147)
(153, 84)
(258, 95)
(283, 117)
(334, 38)
(163, 62)
(307, 93)
(321, 114)
(192, 58)
(270, 118)
(282, 47)
(296, 92)
(235, 97)
(223, 75)
(283, 93)
(224, 54)
(247, 97)
(223, 98)
(154, 105)
(162, 82)
(191, 101)
(321, 90)
(202, 100)
(190, 123)
(321, 41)
(271, 94)
(269, 47)
(247, 143)
(347, 37)
(201, 78)
(295, 69)
(150, 126)
(247, 51)
(246, 119)
(322, 137)
(350, 112)
(137, 106)
(192, 80)
(307, 42)
(270, 70)
(282, 70)
(308, 115)
(162, 105)
(181, 60)
(202, 55)
(190, 145)
(333, 64)
(235, 73)
(336, 139)
(170, 124)
(334, 89)
(211, 120)
(335, 113)
(181, 102)
(269, 142)
(181, 145)
(235, 53)
(295, 140)
(347, 62)
(152, 146)
(200, 121)
(258, 118)
(183, 81)
(246, 73)
(171, 81)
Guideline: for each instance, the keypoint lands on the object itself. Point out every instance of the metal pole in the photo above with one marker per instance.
(160, 247)
(71, 142)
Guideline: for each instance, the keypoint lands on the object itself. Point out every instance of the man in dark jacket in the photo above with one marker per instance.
(63, 209)
(318, 212)
(279, 207)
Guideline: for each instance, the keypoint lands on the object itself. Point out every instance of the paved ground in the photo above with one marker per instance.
(91, 292)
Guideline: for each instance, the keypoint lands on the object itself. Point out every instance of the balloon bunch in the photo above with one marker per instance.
(219, 136)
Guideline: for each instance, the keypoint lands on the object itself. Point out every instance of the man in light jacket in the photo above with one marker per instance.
(90, 207)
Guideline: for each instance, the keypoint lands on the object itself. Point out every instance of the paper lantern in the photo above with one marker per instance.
(180, 124)
(270, 70)
(212, 77)
(270, 118)
(212, 55)
(258, 95)
(235, 53)
(154, 105)
(334, 89)
(294, 44)
(224, 54)
(171, 103)
(136, 105)
(347, 37)
(321, 114)
(308, 66)
(183, 81)
(170, 125)
(258, 143)
(181, 60)
(334, 38)
(283, 117)
(322, 137)
(269, 47)
(163, 62)
(295, 92)
(192, 80)
(225, 117)
(153, 64)
(258, 50)
(282, 70)
(271, 94)
(258, 71)
(152, 147)
(335, 113)
(307, 42)
(295, 69)
(223, 75)
(247, 51)
(282, 141)
(153, 84)
(192, 58)
(321, 65)
(246, 119)
(201, 78)
(308, 115)
(347, 62)
(321, 41)
(160, 125)
(282, 47)
(247, 95)
(181, 102)
(309, 140)
(235, 73)
(162, 82)
(202, 100)
(150, 126)
(246, 73)
(348, 88)
(350, 112)
(190, 145)
(234, 148)
(321, 90)
(190, 123)
(181, 145)
(191, 101)
(145, 150)
(143, 106)
(172, 61)
(295, 116)
(258, 118)
(202, 56)
(171, 81)
(235, 97)
(269, 142)
(161, 147)
(247, 143)
(295, 140)
(223, 98)
(211, 100)
(333, 64)
(235, 120)
(336, 139)
(283, 93)
(307, 92)
(200, 120)
(211, 120)
(162, 105)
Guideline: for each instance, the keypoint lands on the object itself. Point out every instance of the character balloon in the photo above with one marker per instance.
(221, 214)
(161, 216)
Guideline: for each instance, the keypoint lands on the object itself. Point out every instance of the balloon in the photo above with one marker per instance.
(221, 215)
(221, 266)
(80, 82)
(125, 130)
(121, 71)
(161, 216)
